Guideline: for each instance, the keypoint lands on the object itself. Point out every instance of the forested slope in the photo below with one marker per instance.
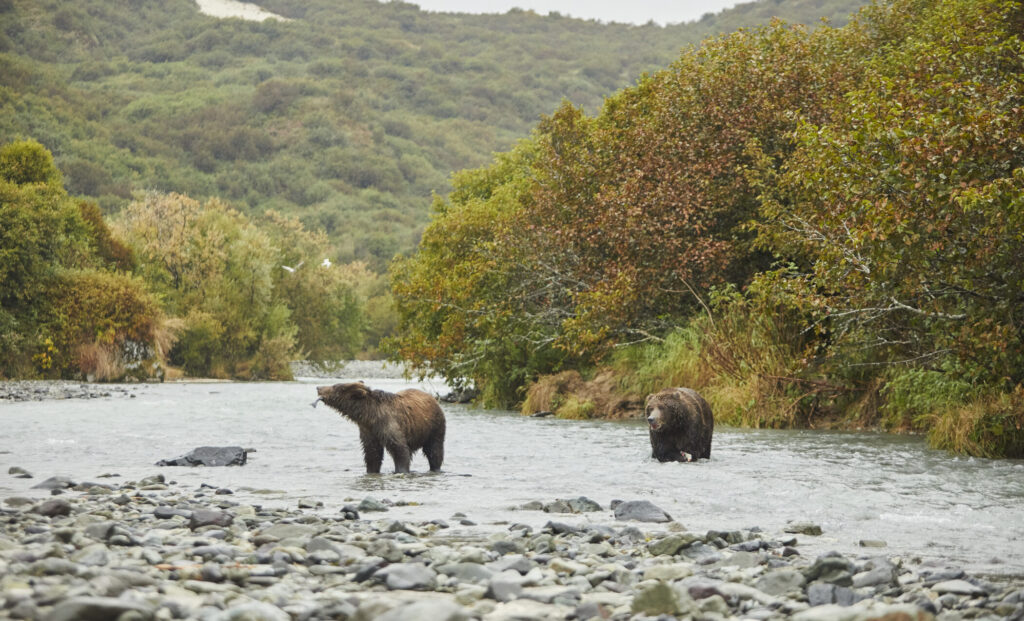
(350, 115)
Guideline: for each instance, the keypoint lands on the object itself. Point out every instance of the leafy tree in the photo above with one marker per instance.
(55, 298)
(322, 298)
(604, 231)
(905, 208)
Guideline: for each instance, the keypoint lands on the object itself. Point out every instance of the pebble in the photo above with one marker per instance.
(175, 553)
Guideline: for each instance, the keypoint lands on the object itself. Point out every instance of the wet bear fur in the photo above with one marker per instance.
(400, 423)
(681, 424)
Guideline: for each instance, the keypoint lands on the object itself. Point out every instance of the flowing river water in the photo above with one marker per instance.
(929, 507)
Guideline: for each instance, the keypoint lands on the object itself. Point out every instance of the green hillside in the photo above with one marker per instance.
(348, 116)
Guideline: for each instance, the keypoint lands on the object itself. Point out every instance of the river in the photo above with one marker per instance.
(929, 507)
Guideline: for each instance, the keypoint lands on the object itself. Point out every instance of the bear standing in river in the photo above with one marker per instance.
(400, 423)
(680, 423)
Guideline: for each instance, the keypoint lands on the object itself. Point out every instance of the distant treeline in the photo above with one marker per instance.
(348, 117)
(814, 228)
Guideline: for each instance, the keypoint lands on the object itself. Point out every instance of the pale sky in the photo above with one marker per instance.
(630, 11)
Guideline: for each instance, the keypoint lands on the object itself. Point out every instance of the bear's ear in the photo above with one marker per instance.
(358, 389)
(647, 401)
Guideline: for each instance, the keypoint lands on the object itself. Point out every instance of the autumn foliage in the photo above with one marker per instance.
(849, 200)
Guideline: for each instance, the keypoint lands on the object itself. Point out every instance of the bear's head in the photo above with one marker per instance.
(658, 408)
(342, 397)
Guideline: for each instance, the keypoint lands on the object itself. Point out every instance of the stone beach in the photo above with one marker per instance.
(154, 549)
(41, 390)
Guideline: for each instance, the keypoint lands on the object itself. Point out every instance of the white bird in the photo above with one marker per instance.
(291, 269)
(326, 263)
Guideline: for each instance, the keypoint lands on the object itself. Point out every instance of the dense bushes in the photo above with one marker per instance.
(251, 296)
(813, 228)
(61, 312)
(199, 286)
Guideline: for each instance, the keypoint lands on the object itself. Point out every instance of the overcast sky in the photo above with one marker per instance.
(629, 11)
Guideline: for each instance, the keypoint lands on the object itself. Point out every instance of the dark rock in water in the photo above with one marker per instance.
(371, 504)
(156, 479)
(560, 528)
(803, 528)
(209, 456)
(542, 414)
(57, 482)
(558, 506)
(641, 511)
(583, 505)
(460, 396)
(19, 472)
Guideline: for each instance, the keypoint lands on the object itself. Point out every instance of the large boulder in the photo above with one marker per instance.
(209, 456)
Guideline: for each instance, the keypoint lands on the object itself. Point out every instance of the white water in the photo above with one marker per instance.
(928, 506)
(234, 8)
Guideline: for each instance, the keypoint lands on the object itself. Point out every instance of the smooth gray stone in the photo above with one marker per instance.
(583, 505)
(209, 517)
(53, 507)
(672, 544)
(368, 505)
(780, 581)
(641, 511)
(504, 588)
(467, 572)
(164, 512)
(96, 609)
(958, 587)
(823, 593)
(439, 610)
(833, 569)
(288, 531)
(408, 576)
(57, 482)
(253, 611)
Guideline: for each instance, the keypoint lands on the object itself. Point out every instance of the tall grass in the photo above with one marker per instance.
(988, 426)
(747, 361)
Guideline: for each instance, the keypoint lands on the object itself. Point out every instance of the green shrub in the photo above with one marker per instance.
(103, 326)
(199, 345)
(914, 396)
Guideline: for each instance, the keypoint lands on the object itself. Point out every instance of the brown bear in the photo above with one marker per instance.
(680, 423)
(400, 423)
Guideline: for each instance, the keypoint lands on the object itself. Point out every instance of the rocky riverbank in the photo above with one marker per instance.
(42, 390)
(152, 549)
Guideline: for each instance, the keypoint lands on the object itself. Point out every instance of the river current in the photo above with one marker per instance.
(929, 507)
